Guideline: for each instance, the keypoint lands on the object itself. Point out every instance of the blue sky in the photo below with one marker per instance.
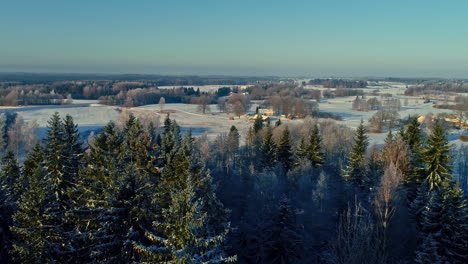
(238, 37)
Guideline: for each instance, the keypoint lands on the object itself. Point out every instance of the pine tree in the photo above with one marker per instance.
(436, 157)
(356, 170)
(314, 152)
(268, 150)
(284, 152)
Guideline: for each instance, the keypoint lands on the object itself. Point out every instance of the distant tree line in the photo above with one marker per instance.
(339, 83)
(437, 87)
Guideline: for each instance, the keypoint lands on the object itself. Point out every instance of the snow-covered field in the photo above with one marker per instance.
(89, 115)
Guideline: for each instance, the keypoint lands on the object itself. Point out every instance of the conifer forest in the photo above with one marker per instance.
(138, 193)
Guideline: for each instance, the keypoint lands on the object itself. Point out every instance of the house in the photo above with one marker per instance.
(455, 120)
(266, 112)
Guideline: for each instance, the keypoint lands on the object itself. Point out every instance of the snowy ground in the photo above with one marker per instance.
(89, 115)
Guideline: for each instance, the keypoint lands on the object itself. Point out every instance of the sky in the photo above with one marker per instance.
(405, 38)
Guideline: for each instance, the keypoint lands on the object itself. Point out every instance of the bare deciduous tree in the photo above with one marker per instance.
(384, 202)
(162, 103)
(239, 104)
(357, 240)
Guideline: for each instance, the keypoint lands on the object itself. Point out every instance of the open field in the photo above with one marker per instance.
(90, 115)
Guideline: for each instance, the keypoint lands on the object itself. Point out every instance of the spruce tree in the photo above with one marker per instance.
(170, 142)
(454, 232)
(53, 153)
(5, 223)
(258, 124)
(284, 152)
(61, 166)
(32, 228)
(72, 151)
(413, 137)
(437, 158)
(301, 151)
(138, 148)
(190, 226)
(268, 150)
(427, 252)
(32, 163)
(278, 122)
(356, 170)
(10, 177)
(282, 242)
(442, 220)
(34, 160)
(125, 220)
(314, 150)
(10, 190)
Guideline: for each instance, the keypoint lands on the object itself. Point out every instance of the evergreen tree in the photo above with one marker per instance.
(443, 223)
(53, 153)
(10, 177)
(268, 150)
(301, 152)
(413, 138)
(10, 190)
(454, 233)
(124, 222)
(314, 150)
(170, 142)
(5, 214)
(34, 160)
(282, 242)
(258, 124)
(72, 151)
(284, 152)
(278, 122)
(436, 157)
(32, 229)
(62, 154)
(138, 148)
(356, 170)
(427, 252)
(184, 232)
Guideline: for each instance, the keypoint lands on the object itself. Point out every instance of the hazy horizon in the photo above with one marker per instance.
(265, 38)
